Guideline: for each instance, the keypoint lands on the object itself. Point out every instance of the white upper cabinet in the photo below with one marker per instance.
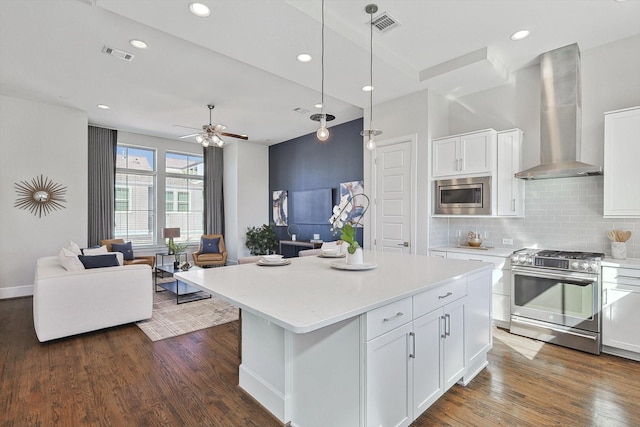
(621, 154)
(469, 154)
(510, 191)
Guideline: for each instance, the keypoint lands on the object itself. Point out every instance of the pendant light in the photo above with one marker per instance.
(322, 133)
(371, 133)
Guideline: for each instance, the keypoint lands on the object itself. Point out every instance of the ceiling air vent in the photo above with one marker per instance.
(120, 54)
(384, 22)
(301, 111)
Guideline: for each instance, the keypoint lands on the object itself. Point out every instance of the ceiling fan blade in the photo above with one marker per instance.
(219, 127)
(188, 136)
(186, 127)
(234, 135)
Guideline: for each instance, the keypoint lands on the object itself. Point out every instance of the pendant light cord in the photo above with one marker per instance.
(371, 71)
(322, 63)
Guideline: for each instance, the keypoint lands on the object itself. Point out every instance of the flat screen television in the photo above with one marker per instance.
(311, 206)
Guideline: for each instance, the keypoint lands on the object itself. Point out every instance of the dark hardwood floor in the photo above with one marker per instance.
(118, 377)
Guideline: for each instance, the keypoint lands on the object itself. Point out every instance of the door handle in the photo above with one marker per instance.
(405, 244)
(447, 325)
(412, 355)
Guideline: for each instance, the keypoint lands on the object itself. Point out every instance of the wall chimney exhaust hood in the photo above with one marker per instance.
(560, 118)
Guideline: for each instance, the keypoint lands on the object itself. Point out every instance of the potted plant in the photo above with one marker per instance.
(176, 249)
(261, 240)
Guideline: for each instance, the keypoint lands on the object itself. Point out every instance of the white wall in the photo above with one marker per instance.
(38, 139)
(246, 194)
(561, 213)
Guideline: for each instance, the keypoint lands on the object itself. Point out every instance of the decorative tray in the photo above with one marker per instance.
(481, 248)
(341, 265)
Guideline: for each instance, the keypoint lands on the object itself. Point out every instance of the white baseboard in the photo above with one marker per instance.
(16, 292)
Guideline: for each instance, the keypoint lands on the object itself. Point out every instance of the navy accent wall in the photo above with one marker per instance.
(304, 163)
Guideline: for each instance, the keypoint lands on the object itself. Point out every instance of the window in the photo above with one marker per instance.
(184, 195)
(135, 195)
(122, 199)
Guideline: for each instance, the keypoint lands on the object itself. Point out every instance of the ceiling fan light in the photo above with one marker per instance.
(219, 143)
(205, 142)
(200, 138)
(215, 139)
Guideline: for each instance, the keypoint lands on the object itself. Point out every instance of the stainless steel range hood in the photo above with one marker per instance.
(560, 118)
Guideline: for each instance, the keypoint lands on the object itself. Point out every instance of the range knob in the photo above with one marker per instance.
(575, 265)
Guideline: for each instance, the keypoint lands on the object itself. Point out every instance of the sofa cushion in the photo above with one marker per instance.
(99, 261)
(73, 247)
(69, 260)
(204, 258)
(125, 248)
(210, 246)
(100, 250)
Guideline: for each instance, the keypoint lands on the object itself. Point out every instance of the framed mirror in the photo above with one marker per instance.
(40, 196)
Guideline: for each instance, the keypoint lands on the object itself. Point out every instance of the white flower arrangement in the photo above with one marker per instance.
(340, 223)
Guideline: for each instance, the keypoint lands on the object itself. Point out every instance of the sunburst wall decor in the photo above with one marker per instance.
(39, 196)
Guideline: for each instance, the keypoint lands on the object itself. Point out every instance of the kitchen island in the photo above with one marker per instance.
(323, 346)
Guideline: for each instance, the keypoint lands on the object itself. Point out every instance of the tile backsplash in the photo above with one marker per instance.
(563, 213)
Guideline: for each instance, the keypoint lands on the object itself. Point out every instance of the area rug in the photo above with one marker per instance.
(170, 319)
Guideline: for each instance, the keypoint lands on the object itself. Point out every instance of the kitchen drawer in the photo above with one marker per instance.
(388, 317)
(429, 300)
(497, 261)
(626, 276)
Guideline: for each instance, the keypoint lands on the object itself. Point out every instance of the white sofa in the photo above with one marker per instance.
(72, 302)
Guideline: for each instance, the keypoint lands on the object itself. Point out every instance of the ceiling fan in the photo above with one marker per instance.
(212, 134)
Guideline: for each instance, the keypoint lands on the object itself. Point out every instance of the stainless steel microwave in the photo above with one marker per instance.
(463, 196)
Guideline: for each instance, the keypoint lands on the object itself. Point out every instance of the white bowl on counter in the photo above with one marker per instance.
(272, 258)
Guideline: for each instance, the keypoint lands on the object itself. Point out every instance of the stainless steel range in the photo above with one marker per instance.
(556, 297)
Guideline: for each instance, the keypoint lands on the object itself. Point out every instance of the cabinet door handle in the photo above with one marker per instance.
(604, 296)
(398, 314)
(461, 164)
(412, 355)
(448, 294)
(447, 325)
(444, 327)
(513, 205)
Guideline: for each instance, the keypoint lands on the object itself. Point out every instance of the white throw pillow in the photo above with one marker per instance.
(102, 250)
(119, 257)
(73, 247)
(69, 260)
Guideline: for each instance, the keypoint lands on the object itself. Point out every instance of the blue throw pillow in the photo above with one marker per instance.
(210, 246)
(125, 248)
(98, 261)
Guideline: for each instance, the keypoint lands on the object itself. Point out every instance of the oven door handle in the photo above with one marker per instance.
(593, 338)
(578, 280)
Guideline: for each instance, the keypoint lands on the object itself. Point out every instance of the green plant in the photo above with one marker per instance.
(261, 240)
(176, 248)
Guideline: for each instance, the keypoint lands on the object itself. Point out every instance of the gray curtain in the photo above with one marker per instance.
(213, 197)
(102, 183)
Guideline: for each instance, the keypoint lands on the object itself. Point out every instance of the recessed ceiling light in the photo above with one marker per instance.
(519, 35)
(138, 44)
(318, 105)
(304, 57)
(199, 9)
(367, 88)
(103, 106)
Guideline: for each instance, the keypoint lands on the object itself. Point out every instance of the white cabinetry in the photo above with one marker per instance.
(621, 154)
(510, 190)
(413, 354)
(620, 311)
(468, 154)
(500, 282)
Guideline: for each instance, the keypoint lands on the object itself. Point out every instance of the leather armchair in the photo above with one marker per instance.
(150, 260)
(211, 260)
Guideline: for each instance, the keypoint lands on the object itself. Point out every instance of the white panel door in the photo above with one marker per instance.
(393, 198)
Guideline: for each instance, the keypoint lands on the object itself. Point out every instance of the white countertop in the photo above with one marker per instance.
(308, 294)
(624, 263)
(501, 252)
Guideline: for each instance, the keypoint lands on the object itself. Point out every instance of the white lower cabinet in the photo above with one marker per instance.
(408, 368)
(620, 311)
(500, 280)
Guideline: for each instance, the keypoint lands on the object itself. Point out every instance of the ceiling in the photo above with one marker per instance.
(242, 58)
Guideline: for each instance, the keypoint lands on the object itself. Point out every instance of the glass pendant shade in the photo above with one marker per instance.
(371, 143)
(205, 142)
(200, 139)
(323, 133)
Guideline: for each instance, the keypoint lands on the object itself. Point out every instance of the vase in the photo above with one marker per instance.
(355, 258)
(619, 250)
